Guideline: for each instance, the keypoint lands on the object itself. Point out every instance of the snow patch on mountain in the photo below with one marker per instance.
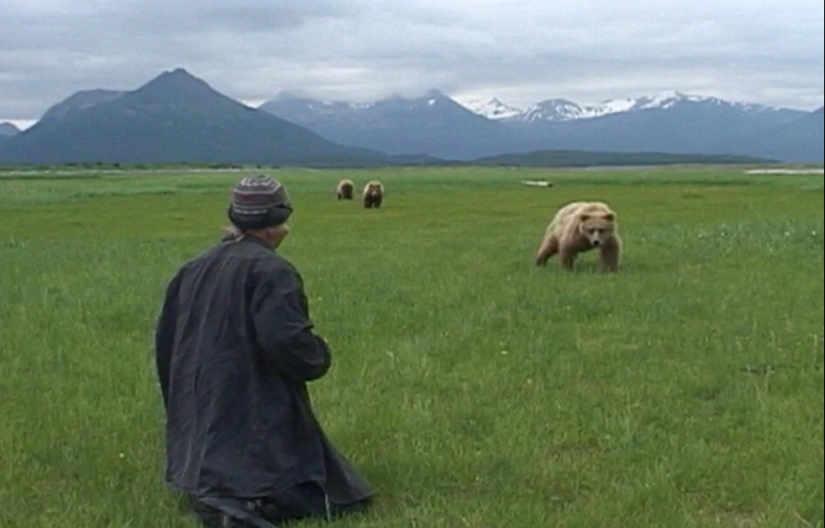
(567, 110)
(491, 108)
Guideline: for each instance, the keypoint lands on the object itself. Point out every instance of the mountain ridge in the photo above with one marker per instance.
(177, 117)
(174, 117)
(666, 122)
(563, 109)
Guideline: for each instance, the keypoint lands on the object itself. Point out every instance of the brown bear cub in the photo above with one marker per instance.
(373, 194)
(345, 190)
(579, 227)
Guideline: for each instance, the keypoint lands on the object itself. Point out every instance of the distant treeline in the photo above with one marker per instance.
(578, 158)
(546, 158)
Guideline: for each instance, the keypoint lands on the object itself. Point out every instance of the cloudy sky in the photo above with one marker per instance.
(521, 51)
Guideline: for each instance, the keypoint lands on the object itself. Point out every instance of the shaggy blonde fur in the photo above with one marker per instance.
(579, 227)
(345, 190)
(373, 194)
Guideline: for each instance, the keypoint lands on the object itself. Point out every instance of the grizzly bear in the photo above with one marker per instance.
(345, 190)
(579, 227)
(373, 194)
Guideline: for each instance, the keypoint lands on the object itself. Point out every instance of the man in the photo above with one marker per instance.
(235, 348)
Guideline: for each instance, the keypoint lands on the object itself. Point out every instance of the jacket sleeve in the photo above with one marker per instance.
(284, 330)
(165, 335)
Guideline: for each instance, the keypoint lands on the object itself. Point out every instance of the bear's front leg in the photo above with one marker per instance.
(549, 247)
(567, 259)
(609, 257)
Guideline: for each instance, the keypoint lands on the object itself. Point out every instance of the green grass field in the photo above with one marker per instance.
(469, 387)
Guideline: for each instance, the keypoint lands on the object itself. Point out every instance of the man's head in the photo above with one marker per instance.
(260, 207)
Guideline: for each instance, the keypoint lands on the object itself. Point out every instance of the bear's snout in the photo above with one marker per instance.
(596, 242)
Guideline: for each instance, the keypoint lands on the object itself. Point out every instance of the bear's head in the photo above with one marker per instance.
(597, 227)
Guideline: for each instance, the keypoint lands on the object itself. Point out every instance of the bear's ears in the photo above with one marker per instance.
(609, 216)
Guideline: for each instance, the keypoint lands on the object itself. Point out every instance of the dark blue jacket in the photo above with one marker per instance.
(235, 348)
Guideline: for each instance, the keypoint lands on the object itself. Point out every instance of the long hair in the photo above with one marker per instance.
(231, 233)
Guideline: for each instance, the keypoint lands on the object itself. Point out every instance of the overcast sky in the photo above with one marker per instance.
(521, 51)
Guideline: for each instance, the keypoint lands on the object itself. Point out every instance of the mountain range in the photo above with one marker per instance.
(566, 110)
(672, 122)
(177, 117)
(174, 118)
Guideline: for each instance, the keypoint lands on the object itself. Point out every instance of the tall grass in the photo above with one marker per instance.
(470, 388)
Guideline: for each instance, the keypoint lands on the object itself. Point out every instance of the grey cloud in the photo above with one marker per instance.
(758, 50)
(240, 17)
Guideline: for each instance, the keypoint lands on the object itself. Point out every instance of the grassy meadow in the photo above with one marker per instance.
(471, 388)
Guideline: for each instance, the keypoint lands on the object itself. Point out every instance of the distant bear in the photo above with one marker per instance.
(579, 227)
(345, 190)
(373, 194)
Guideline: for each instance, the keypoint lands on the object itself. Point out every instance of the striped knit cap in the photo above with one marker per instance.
(258, 202)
